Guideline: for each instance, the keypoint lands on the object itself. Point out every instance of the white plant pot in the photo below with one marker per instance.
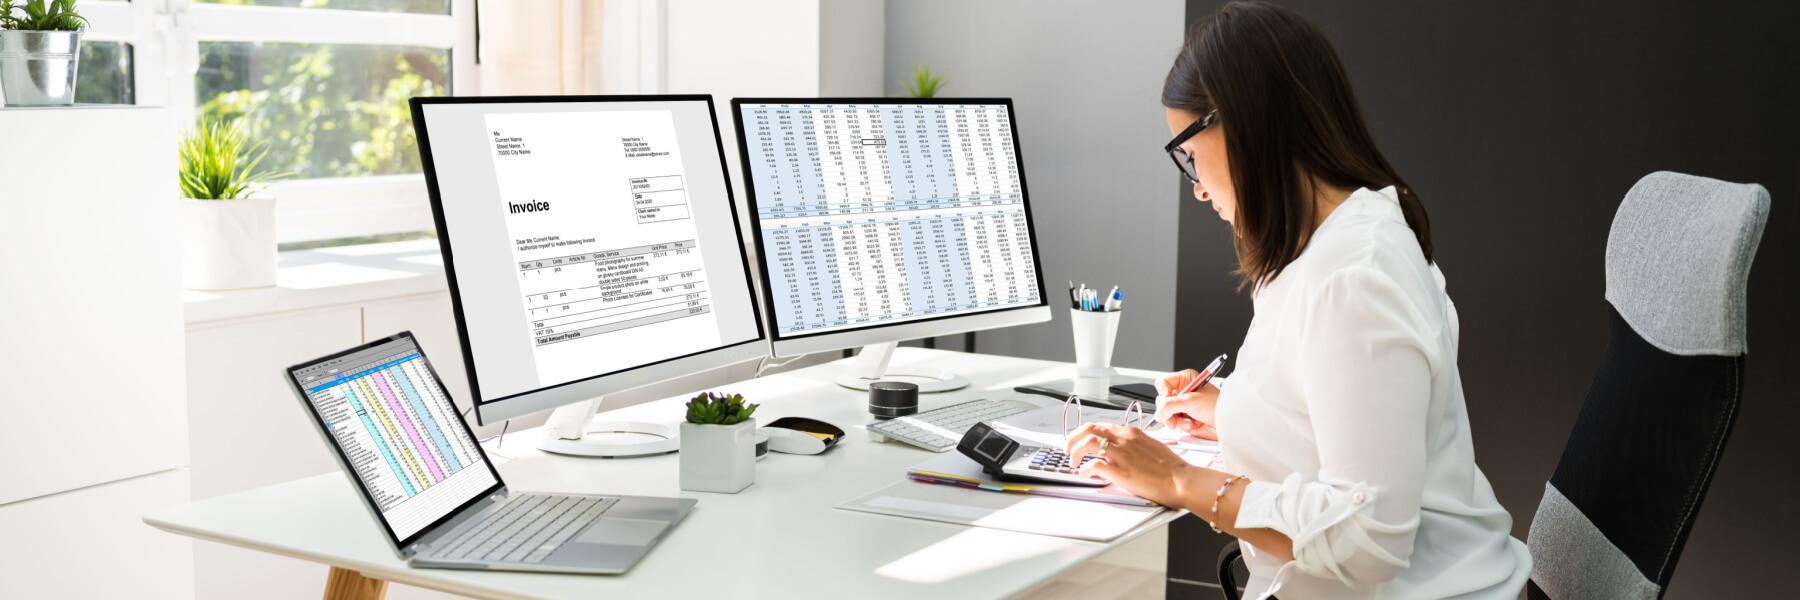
(227, 244)
(718, 458)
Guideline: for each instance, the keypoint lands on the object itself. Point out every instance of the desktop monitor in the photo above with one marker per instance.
(591, 246)
(885, 219)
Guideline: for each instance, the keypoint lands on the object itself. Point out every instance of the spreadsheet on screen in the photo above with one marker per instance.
(871, 214)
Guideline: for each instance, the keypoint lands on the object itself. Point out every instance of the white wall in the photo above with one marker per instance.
(736, 49)
(852, 40)
(1085, 80)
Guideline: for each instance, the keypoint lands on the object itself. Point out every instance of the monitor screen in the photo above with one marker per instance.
(877, 212)
(584, 236)
(397, 432)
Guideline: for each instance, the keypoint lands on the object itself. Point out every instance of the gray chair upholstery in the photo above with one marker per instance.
(1619, 508)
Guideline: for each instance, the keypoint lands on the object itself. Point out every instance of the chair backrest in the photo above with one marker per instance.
(1619, 508)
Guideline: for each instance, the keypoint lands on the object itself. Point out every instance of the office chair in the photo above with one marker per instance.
(1622, 501)
(1619, 507)
(1228, 583)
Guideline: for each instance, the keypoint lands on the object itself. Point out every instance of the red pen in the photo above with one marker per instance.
(1204, 376)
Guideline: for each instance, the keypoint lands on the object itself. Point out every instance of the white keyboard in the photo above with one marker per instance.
(938, 430)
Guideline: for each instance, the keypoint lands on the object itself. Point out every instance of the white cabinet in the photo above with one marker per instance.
(93, 543)
(92, 386)
(90, 301)
(248, 428)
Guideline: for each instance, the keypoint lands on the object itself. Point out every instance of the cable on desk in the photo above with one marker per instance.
(500, 436)
(761, 364)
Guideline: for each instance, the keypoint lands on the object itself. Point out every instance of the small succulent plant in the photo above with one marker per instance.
(39, 15)
(718, 409)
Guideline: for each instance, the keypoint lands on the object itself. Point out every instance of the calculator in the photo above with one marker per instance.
(1008, 460)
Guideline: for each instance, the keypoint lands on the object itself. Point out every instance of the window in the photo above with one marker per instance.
(104, 74)
(324, 82)
(326, 110)
(424, 7)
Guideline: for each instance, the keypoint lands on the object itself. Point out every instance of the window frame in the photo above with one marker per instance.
(165, 37)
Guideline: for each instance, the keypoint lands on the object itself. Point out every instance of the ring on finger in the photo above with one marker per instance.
(1103, 444)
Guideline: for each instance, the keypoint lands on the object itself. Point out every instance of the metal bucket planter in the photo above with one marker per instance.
(37, 68)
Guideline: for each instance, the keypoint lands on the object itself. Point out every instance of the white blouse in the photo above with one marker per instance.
(1346, 412)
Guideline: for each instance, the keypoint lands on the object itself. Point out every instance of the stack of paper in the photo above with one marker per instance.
(1062, 517)
(952, 488)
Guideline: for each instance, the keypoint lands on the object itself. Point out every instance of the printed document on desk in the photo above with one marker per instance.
(1061, 517)
(965, 495)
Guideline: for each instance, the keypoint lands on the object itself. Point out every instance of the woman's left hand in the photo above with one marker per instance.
(1135, 461)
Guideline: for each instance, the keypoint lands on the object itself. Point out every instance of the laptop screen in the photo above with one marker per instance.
(397, 432)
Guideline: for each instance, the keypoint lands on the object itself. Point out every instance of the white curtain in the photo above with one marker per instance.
(541, 47)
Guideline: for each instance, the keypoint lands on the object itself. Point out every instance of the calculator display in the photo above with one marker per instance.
(993, 446)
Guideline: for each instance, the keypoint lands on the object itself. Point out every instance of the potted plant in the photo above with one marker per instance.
(924, 83)
(228, 227)
(40, 46)
(718, 444)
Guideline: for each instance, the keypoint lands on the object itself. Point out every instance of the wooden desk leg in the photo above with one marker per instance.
(345, 584)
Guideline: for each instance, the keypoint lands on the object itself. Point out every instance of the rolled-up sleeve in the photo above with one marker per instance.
(1365, 372)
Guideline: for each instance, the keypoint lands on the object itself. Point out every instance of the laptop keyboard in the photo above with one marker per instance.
(527, 529)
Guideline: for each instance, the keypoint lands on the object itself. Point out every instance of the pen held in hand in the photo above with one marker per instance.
(1203, 377)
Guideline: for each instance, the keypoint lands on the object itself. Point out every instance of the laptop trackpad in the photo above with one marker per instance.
(623, 532)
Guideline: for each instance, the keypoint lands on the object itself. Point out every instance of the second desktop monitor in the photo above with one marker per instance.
(879, 220)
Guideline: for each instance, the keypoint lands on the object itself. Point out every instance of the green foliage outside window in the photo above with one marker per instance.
(326, 110)
(429, 7)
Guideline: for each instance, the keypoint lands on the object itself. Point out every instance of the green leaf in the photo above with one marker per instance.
(39, 15)
(216, 165)
(924, 84)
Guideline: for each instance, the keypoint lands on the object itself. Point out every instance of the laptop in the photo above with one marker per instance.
(425, 479)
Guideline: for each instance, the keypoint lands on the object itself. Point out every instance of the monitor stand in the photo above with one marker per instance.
(872, 365)
(569, 428)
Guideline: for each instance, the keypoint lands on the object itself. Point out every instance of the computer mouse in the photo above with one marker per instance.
(800, 435)
(789, 441)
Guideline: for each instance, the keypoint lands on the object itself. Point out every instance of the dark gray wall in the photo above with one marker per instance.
(1084, 82)
(1521, 125)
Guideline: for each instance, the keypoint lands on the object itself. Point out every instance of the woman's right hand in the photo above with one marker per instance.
(1191, 412)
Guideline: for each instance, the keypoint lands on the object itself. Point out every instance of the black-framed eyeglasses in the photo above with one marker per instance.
(1182, 160)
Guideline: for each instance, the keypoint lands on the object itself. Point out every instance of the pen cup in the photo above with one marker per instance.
(1094, 335)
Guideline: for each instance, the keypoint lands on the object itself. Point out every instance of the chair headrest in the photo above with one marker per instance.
(1678, 261)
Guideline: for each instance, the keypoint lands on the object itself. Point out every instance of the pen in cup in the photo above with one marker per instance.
(1084, 298)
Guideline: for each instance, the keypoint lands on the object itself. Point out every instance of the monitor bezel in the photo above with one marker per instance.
(789, 344)
(552, 396)
(339, 453)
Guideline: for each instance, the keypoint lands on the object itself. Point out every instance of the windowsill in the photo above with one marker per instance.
(309, 279)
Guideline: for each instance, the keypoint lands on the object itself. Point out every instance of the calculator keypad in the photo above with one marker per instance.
(1055, 461)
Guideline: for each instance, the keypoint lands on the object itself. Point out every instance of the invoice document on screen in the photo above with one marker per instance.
(607, 252)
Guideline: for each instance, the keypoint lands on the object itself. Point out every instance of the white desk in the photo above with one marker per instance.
(769, 541)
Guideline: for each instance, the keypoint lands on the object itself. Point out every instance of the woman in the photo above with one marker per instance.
(1350, 471)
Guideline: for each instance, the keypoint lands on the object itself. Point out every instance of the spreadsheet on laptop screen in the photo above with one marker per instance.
(398, 433)
(872, 214)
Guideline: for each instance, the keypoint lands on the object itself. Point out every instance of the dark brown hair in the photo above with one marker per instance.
(1288, 114)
